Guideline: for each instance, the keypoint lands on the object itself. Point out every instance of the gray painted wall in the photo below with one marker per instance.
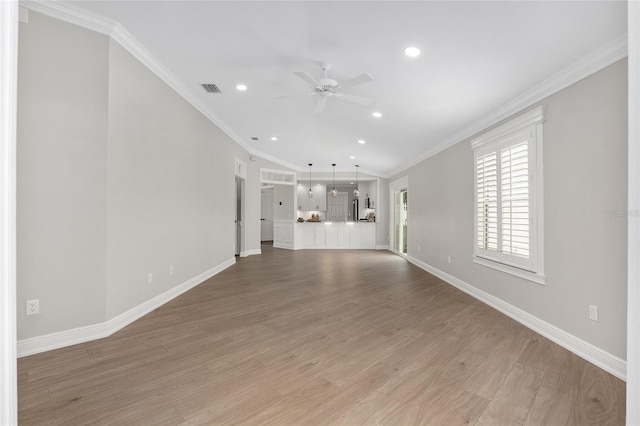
(61, 175)
(284, 194)
(171, 190)
(118, 176)
(585, 169)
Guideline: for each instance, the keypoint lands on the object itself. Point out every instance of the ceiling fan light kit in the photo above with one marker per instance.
(326, 88)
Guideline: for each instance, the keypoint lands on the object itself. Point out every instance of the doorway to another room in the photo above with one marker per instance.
(338, 207)
(238, 219)
(399, 206)
(266, 215)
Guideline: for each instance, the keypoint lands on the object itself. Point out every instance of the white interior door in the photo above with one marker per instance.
(338, 208)
(266, 215)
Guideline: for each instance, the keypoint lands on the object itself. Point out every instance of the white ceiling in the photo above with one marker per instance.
(476, 57)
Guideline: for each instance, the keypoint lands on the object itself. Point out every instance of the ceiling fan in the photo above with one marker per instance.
(326, 88)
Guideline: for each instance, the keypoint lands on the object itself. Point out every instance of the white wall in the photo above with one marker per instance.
(283, 202)
(171, 187)
(62, 175)
(585, 169)
(118, 177)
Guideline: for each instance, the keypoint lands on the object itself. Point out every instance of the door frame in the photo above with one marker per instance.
(395, 186)
(238, 245)
(633, 218)
(329, 202)
(240, 201)
(262, 192)
(8, 119)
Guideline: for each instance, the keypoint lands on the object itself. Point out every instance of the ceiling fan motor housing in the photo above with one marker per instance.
(327, 85)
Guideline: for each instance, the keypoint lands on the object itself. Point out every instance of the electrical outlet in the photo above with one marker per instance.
(171, 270)
(150, 278)
(449, 259)
(33, 307)
(418, 247)
(593, 313)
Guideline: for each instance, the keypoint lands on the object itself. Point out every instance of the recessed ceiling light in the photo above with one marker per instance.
(241, 87)
(361, 142)
(377, 114)
(350, 183)
(412, 51)
(273, 138)
(352, 157)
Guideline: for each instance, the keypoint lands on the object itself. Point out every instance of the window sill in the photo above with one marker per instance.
(521, 273)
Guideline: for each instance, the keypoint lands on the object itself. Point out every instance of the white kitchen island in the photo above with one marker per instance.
(324, 235)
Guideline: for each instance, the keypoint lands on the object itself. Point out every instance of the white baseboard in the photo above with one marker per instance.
(593, 354)
(87, 333)
(335, 248)
(248, 253)
(383, 247)
(283, 245)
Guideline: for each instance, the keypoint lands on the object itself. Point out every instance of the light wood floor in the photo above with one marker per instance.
(319, 337)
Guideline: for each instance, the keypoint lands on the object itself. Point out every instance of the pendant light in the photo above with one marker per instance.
(356, 192)
(334, 191)
(310, 191)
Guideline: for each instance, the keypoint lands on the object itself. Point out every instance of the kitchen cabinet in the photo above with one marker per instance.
(316, 203)
(335, 235)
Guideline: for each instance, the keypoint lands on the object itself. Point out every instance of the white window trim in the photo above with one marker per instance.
(285, 177)
(534, 118)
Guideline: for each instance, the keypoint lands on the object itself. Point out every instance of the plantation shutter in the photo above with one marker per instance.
(514, 184)
(508, 210)
(487, 202)
(503, 201)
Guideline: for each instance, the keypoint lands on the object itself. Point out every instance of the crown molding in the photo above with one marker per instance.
(589, 64)
(72, 14)
(82, 18)
(268, 157)
(608, 54)
(536, 115)
(77, 16)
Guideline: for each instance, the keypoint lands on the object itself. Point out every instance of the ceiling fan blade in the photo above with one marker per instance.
(306, 77)
(355, 99)
(279, 98)
(320, 105)
(362, 78)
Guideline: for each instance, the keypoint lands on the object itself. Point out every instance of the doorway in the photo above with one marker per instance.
(338, 207)
(266, 214)
(238, 219)
(399, 194)
(400, 220)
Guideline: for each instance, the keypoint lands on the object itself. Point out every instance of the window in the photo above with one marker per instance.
(277, 177)
(508, 197)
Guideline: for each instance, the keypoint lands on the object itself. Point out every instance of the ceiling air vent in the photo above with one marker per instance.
(211, 88)
(254, 138)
